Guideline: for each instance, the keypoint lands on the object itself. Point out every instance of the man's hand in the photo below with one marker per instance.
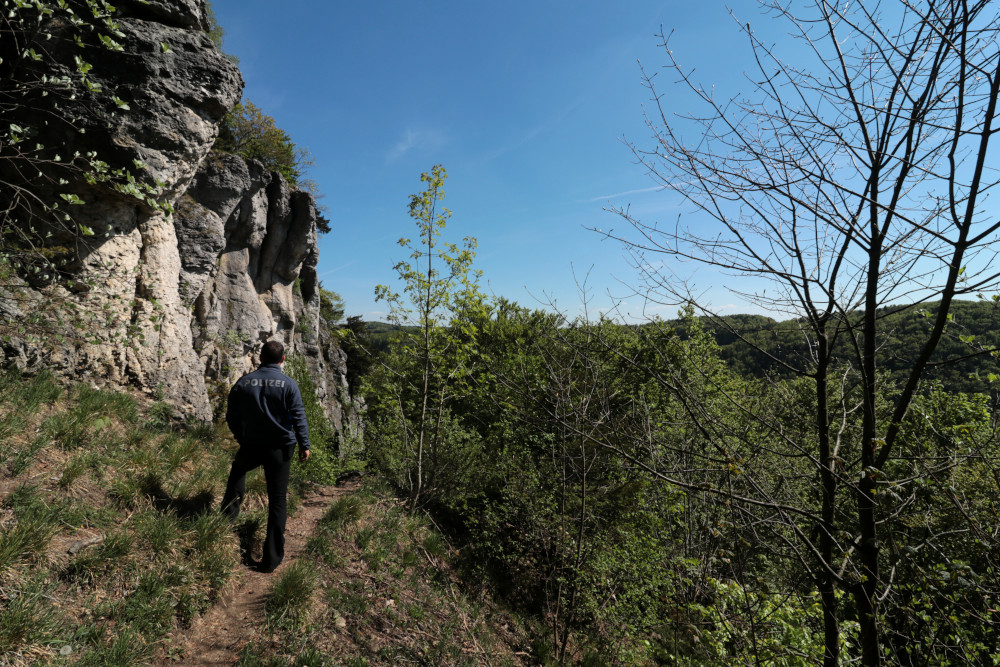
(303, 454)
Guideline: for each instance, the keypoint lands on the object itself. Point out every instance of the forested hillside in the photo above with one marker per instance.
(656, 494)
(963, 362)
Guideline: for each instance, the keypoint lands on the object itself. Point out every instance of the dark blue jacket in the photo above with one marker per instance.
(265, 410)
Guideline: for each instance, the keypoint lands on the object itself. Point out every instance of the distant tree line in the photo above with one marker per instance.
(965, 360)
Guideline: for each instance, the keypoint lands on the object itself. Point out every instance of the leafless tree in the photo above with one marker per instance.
(850, 183)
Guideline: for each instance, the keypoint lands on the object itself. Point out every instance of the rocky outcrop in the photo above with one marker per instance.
(179, 303)
(248, 249)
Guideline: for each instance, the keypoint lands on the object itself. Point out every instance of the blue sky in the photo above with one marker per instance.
(524, 103)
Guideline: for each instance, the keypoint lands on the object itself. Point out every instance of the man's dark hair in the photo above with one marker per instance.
(272, 352)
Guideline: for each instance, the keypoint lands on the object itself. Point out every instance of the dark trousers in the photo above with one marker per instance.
(277, 462)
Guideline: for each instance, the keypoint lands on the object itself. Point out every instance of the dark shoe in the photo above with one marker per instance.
(267, 569)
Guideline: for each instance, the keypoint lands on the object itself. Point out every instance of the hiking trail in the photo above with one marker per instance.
(219, 634)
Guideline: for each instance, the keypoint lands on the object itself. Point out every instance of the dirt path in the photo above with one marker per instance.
(217, 637)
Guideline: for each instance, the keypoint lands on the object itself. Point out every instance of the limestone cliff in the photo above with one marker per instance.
(248, 273)
(174, 304)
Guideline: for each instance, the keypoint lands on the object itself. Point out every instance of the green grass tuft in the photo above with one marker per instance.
(28, 394)
(160, 532)
(435, 546)
(28, 618)
(11, 423)
(67, 430)
(177, 451)
(321, 547)
(125, 650)
(311, 657)
(289, 600)
(350, 602)
(91, 404)
(251, 656)
(364, 537)
(210, 528)
(76, 467)
(23, 458)
(35, 525)
(93, 562)
(148, 610)
(160, 418)
(28, 539)
(345, 510)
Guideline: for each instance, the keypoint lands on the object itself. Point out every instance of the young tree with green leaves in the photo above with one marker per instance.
(331, 306)
(415, 436)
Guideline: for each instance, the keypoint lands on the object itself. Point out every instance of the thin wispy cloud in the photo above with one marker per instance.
(339, 268)
(404, 145)
(546, 125)
(627, 193)
(416, 140)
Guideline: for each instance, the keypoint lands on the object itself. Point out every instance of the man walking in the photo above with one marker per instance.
(266, 415)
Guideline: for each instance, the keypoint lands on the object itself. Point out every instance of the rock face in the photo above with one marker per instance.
(248, 274)
(176, 304)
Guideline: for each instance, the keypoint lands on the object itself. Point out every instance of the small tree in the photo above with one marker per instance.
(360, 350)
(253, 135)
(416, 437)
(331, 306)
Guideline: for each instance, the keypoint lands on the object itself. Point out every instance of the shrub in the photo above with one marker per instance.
(324, 464)
(253, 135)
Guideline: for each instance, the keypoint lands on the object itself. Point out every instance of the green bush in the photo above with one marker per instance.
(253, 135)
(323, 465)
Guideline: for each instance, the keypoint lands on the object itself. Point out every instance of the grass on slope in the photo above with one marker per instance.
(375, 588)
(109, 529)
(110, 538)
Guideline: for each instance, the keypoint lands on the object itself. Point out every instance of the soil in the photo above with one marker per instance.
(218, 636)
